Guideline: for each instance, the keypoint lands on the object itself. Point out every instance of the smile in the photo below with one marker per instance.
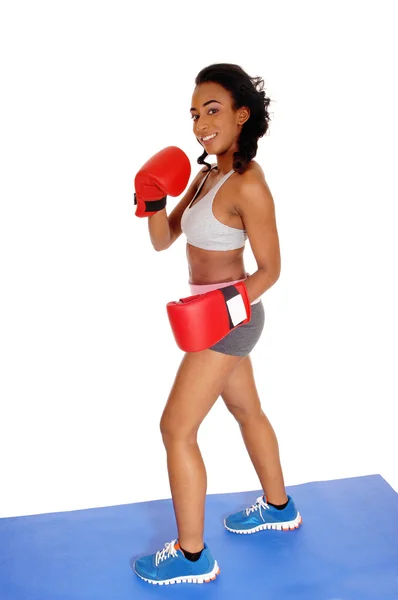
(208, 138)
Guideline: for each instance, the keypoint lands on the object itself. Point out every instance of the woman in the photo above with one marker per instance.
(225, 204)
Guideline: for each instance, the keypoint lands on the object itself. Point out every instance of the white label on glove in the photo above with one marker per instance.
(237, 309)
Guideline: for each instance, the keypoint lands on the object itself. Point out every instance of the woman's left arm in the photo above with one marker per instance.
(256, 207)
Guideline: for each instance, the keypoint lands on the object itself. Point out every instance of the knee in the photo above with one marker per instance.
(246, 416)
(174, 431)
(166, 427)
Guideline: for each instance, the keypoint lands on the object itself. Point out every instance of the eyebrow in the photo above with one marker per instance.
(205, 104)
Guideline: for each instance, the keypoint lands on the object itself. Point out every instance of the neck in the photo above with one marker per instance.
(225, 161)
(223, 168)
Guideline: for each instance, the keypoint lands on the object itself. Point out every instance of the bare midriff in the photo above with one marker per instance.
(213, 266)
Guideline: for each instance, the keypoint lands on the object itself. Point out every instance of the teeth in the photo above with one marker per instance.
(209, 137)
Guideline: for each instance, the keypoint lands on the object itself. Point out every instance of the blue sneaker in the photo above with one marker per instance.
(170, 566)
(263, 516)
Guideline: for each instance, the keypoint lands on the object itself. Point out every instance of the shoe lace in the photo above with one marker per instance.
(168, 550)
(259, 505)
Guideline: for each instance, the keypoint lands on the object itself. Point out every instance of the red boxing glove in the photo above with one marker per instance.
(198, 322)
(166, 173)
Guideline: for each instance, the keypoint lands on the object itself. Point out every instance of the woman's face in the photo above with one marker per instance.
(216, 124)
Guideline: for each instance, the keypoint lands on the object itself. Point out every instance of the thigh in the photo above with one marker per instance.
(240, 392)
(200, 380)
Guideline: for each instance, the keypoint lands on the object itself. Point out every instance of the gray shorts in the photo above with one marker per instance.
(241, 341)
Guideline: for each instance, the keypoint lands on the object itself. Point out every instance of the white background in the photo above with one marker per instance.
(90, 90)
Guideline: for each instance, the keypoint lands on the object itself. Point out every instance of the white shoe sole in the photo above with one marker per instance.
(206, 578)
(283, 526)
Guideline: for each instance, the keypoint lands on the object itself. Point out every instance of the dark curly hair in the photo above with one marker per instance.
(245, 91)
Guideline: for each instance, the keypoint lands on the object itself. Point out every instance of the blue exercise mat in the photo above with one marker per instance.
(346, 549)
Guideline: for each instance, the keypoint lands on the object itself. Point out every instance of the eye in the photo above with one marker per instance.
(194, 116)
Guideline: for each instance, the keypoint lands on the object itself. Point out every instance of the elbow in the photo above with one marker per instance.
(271, 274)
(275, 277)
(160, 247)
(276, 271)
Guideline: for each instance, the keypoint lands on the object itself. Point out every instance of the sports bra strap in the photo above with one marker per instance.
(201, 185)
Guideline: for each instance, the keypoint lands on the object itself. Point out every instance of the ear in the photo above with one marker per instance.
(243, 114)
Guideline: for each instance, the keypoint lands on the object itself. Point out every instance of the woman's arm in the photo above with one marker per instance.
(255, 204)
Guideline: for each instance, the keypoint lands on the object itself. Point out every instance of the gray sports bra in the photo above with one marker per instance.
(201, 227)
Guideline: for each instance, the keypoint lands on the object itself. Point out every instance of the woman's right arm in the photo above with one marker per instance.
(163, 229)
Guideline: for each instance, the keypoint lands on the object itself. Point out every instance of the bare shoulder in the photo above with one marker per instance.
(252, 190)
(254, 173)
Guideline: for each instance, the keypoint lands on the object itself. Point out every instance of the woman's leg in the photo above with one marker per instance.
(199, 381)
(241, 398)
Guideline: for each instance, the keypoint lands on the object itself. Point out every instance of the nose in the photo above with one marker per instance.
(201, 127)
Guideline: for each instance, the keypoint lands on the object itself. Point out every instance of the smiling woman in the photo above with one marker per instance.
(232, 95)
(227, 203)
